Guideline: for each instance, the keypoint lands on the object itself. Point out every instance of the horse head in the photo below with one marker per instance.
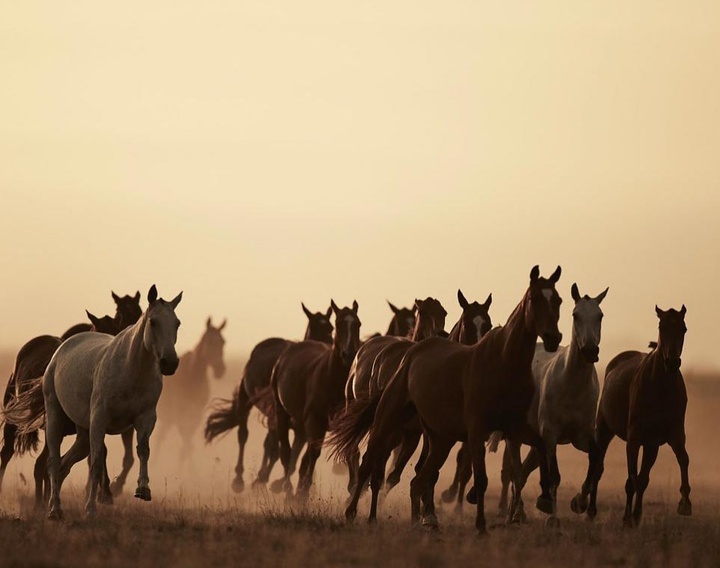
(672, 336)
(542, 310)
(475, 320)
(213, 345)
(319, 327)
(347, 331)
(105, 324)
(403, 321)
(587, 323)
(128, 310)
(430, 318)
(161, 328)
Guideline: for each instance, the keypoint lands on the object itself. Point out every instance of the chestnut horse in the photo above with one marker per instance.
(466, 393)
(255, 382)
(308, 382)
(30, 364)
(643, 402)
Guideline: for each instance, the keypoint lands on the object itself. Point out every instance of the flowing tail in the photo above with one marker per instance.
(349, 427)
(225, 416)
(27, 412)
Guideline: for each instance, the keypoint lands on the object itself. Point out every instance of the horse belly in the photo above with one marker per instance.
(439, 405)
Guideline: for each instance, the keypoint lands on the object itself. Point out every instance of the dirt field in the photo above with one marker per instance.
(195, 519)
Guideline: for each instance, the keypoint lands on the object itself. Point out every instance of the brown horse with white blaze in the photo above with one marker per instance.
(465, 393)
(308, 382)
(643, 402)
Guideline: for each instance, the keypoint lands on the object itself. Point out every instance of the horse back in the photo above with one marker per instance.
(362, 366)
(299, 375)
(386, 364)
(259, 366)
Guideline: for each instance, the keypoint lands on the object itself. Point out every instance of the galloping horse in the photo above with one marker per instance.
(308, 383)
(465, 393)
(643, 402)
(186, 395)
(228, 414)
(566, 393)
(97, 385)
(30, 364)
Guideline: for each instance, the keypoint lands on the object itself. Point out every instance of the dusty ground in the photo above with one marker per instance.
(195, 519)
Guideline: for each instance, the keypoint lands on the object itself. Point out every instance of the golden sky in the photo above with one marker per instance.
(256, 154)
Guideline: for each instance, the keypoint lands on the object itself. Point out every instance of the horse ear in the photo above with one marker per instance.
(222, 325)
(334, 307)
(488, 302)
(574, 292)
(115, 297)
(461, 299)
(137, 296)
(355, 307)
(93, 319)
(208, 323)
(602, 295)
(683, 310)
(307, 312)
(658, 311)
(329, 312)
(418, 304)
(555, 276)
(152, 295)
(176, 300)
(534, 274)
(392, 307)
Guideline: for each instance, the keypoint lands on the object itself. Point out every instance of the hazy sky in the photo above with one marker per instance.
(256, 154)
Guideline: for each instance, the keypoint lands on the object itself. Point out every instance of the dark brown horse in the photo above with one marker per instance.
(187, 393)
(308, 382)
(255, 382)
(466, 393)
(30, 364)
(643, 402)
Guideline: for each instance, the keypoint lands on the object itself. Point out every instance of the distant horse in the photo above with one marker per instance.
(643, 402)
(97, 385)
(308, 383)
(466, 393)
(30, 364)
(186, 395)
(566, 394)
(253, 385)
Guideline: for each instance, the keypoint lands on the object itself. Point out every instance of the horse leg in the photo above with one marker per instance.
(316, 427)
(40, 473)
(678, 447)
(271, 454)
(597, 446)
(505, 479)
(423, 484)
(244, 406)
(632, 450)
(516, 514)
(97, 460)
(464, 474)
(283, 428)
(476, 446)
(553, 471)
(448, 496)
(144, 425)
(643, 479)
(8, 449)
(53, 439)
(116, 487)
(410, 440)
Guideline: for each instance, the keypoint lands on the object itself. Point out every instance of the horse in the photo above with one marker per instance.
(429, 319)
(98, 385)
(466, 393)
(30, 364)
(308, 384)
(566, 394)
(253, 390)
(127, 312)
(186, 395)
(643, 402)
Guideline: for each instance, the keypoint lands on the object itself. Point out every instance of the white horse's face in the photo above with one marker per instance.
(587, 324)
(161, 333)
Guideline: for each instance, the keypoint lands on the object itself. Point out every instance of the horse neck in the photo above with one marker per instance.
(457, 331)
(139, 359)
(519, 338)
(198, 362)
(394, 327)
(419, 332)
(577, 366)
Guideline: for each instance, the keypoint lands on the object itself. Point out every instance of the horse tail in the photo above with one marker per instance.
(349, 427)
(26, 411)
(225, 415)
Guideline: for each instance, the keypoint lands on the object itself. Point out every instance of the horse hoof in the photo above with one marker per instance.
(350, 514)
(472, 496)
(579, 504)
(684, 508)
(448, 496)
(238, 485)
(430, 522)
(629, 522)
(544, 504)
(55, 515)
(143, 493)
(552, 522)
(116, 488)
(277, 486)
(105, 498)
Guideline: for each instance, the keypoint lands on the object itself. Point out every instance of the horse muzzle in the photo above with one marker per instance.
(591, 353)
(168, 365)
(551, 341)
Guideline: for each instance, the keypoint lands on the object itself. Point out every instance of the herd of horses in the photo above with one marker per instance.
(416, 385)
